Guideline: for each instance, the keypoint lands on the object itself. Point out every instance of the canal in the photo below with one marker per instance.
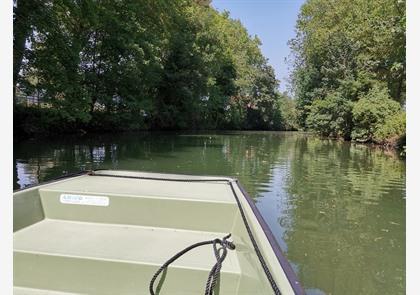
(337, 209)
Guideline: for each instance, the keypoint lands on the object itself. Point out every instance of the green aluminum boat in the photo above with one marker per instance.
(125, 232)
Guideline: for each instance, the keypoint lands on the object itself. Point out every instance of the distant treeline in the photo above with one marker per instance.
(349, 69)
(131, 65)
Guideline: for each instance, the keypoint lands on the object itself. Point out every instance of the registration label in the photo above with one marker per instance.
(84, 200)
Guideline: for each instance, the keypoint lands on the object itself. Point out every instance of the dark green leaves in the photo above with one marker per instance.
(146, 64)
(344, 52)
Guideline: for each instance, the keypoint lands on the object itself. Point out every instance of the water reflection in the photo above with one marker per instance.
(337, 209)
(349, 223)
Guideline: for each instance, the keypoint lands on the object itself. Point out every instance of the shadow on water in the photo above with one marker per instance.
(337, 209)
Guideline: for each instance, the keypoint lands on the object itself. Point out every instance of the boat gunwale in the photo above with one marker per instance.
(287, 268)
(284, 263)
(214, 178)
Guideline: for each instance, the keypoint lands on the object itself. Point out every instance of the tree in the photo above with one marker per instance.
(331, 116)
(346, 49)
(144, 64)
(372, 112)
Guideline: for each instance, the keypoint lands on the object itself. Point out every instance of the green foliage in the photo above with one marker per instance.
(347, 48)
(28, 121)
(330, 116)
(393, 128)
(286, 114)
(144, 64)
(371, 113)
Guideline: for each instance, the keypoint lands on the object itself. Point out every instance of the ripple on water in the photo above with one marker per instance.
(337, 210)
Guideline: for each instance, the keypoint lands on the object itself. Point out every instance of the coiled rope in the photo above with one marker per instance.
(215, 270)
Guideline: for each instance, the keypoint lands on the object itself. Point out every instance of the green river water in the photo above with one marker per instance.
(337, 209)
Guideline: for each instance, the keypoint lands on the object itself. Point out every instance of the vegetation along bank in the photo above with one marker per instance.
(127, 65)
(349, 69)
(170, 65)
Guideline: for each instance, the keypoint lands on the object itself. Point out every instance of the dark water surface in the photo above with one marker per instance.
(336, 209)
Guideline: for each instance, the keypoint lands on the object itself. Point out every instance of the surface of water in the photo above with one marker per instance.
(336, 209)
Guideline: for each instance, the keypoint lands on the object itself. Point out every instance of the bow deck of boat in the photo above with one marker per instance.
(115, 243)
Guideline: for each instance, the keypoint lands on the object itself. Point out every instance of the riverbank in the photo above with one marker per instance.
(39, 122)
(79, 132)
(394, 145)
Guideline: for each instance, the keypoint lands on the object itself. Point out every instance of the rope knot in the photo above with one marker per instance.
(228, 244)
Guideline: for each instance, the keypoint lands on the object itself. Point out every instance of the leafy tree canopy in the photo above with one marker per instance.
(133, 64)
(345, 50)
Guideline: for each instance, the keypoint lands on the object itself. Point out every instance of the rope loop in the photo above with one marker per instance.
(214, 273)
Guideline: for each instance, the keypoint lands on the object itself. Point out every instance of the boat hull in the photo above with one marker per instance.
(107, 232)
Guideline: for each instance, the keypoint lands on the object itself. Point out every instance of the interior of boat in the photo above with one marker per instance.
(108, 233)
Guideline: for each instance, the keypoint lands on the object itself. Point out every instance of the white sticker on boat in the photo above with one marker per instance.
(84, 200)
